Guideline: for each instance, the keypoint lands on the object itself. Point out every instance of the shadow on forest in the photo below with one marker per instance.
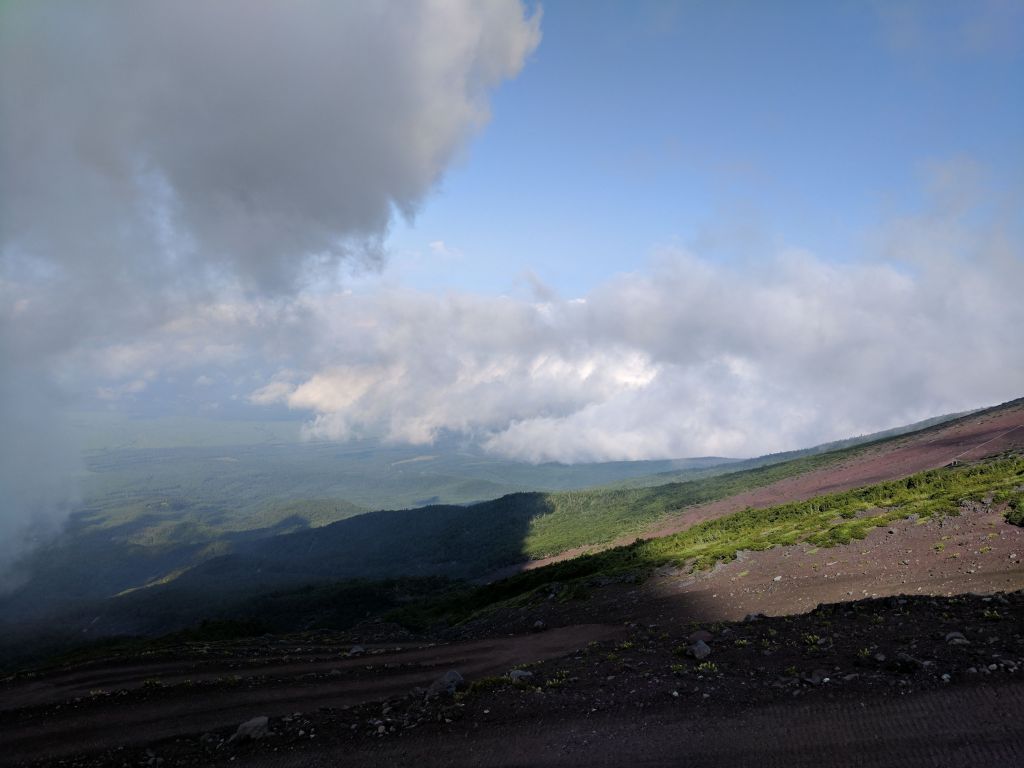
(431, 544)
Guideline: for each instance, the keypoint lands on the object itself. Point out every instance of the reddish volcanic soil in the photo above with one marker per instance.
(902, 649)
(85, 708)
(874, 677)
(970, 438)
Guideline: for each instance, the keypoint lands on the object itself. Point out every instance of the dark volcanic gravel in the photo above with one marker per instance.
(923, 658)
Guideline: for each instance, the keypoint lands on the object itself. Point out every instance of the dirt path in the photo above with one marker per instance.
(950, 728)
(56, 715)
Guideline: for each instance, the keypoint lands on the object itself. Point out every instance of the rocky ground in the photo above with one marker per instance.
(896, 669)
(902, 649)
(933, 655)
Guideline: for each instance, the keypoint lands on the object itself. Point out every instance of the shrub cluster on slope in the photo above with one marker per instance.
(825, 521)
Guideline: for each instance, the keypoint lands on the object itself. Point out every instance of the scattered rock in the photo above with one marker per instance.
(539, 625)
(356, 650)
(254, 729)
(957, 638)
(701, 635)
(777, 578)
(699, 650)
(817, 677)
(907, 663)
(446, 684)
(519, 675)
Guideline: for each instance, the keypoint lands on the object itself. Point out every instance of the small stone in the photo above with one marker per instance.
(254, 729)
(539, 625)
(699, 650)
(907, 663)
(701, 635)
(777, 578)
(519, 675)
(817, 677)
(446, 684)
(356, 650)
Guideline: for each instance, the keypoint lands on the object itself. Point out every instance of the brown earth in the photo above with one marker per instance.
(83, 709)
(872, 678)
(609, 687)
(988, 433)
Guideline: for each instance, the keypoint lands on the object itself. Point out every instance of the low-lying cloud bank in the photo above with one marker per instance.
(692, 358)
(689, 357)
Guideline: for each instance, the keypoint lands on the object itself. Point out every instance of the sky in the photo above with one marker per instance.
(727, 128)
(569, 231)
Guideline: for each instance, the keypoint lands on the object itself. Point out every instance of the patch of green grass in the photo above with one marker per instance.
(1015, 509)
(823, 521)
(482, 684)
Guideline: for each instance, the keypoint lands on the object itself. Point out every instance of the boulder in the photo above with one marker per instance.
(907, 663)
(699, 650)
(447, 684)
(254, 729)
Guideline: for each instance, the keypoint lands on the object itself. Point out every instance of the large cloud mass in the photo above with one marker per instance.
(158, 156)
(691, 356)
(143, 140)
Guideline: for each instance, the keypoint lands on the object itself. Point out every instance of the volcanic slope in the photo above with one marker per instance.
(914, 657)
(985, 433)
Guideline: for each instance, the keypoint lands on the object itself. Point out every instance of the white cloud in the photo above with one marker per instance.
(175, 172)
(691, 356)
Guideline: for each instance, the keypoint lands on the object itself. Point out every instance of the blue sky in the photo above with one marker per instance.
(728, 128)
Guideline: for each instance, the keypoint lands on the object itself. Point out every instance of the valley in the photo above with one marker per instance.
(885, 575)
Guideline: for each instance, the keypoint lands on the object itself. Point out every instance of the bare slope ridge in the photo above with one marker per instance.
(987, 433)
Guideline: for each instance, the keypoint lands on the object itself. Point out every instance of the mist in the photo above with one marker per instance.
(159, 158)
